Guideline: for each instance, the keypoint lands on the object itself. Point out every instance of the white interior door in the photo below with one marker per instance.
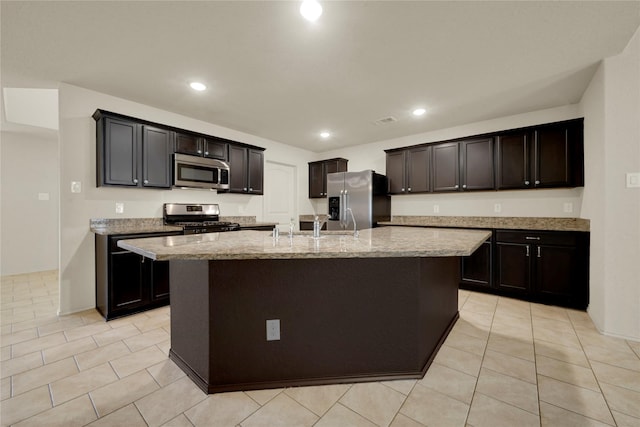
(280, 193)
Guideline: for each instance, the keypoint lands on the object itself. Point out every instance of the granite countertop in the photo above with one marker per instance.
(109, 226)
(113, 226)
(513, 223)
(371, 243)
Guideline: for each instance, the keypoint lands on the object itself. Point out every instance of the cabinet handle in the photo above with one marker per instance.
(526, 183)
(206, 153)
(539, 255)
(135, 180)
(532, 238)
(199, 151)
(409, 189)
(528, 250)
(464, 186)
(456, 186)
(537, 182)
(146, 181)
(250, 189)
(402, 190)
(244, 189)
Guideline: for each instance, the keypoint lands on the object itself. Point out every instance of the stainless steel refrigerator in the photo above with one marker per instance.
(357, 195)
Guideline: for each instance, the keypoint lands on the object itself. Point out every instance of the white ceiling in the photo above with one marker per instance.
(272, 74)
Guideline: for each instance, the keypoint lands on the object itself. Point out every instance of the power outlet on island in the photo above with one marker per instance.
(273, 330)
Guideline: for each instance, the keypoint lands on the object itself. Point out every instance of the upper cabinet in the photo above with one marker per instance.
(136, 153)
(201, 146)
(132, 154)
(318, 175)
(246, 174)
(547, 156)
(409, 170)
(544, 156)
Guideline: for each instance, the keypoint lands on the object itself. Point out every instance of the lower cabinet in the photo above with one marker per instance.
(476, 269)
(550, 267)
(126, 282)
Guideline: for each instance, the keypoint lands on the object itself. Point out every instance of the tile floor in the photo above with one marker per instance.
(506, 362)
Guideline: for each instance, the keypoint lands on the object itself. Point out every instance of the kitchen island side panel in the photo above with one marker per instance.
(341, 320)
(190, 326)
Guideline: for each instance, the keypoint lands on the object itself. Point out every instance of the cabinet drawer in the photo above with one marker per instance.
(113, 240)
(567, 238)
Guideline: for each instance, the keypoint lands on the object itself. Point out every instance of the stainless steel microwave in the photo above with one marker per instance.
(200, 172)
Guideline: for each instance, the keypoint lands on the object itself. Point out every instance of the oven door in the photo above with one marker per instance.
(198, 172)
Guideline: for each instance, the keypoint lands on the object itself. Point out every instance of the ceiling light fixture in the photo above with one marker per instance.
(419, 111)
(197, 86)
(325, 134)
(310, 10)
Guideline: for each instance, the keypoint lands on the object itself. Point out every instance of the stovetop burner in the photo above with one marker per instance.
(196, 218)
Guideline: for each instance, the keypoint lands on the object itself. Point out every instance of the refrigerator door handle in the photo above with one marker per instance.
(344, 210)
(341, 210)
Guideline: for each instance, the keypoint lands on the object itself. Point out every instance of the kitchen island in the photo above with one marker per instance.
(249, 311)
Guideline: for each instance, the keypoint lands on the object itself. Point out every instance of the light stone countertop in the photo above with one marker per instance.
(511, 223)
(383, 242)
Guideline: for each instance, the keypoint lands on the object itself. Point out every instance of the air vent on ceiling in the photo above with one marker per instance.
(386, 120)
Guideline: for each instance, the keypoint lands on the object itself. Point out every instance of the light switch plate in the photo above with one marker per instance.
(436, 208)
(119, 207)
(497, 207)
(633, 180)
(273, 329)
(568, 207)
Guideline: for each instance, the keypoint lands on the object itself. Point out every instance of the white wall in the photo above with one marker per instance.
(611, 107)
(28, 226)
(78, 163)
(536, 203)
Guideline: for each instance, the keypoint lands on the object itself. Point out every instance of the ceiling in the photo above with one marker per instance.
(272, 74)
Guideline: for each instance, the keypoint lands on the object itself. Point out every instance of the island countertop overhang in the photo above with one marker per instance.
(382, 242)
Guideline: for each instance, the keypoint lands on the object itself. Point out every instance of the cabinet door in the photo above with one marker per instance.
(395, 172)
(317, 180)
(552, 157)
(556, 271)
(477, 164)
(512, 158)
(418, 167)
(513, 266)
(476, 268)
(121, 153)
(446, 167)
(159, 280)
(238, 169)
(188, 144)
(255, 171)
(214, 149)
(128, 290)
(156, 157)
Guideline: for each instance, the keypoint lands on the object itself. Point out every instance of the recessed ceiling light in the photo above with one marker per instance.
(419, 111)
(197, 86)
(325, 134)
(310, 10)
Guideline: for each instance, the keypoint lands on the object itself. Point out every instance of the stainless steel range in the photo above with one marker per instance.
(196, 218)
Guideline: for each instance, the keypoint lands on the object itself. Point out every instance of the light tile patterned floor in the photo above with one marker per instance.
(506, 362)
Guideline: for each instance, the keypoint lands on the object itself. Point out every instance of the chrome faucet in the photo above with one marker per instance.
(355, 228)
(316, 227)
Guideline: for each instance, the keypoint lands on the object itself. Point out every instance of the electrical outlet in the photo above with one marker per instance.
(119, 208)
(273, 330)
(568, 207)
(497, 207)
(76, 187)
(436, 208)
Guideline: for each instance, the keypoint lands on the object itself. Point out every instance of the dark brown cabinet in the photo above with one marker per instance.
(409, 171)
(547, 156)
(201, 146)
(126, 282)
(544, 266)
(246, 174)
(318, 175)
(463, 166)
(477, 269)
(132, 154)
